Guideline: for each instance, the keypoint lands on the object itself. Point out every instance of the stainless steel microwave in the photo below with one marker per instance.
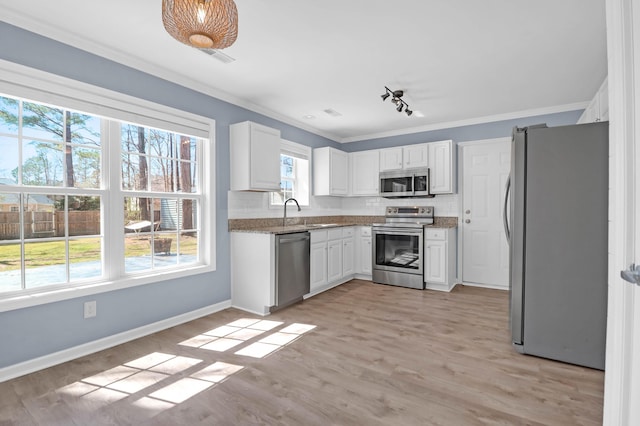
(405, 183)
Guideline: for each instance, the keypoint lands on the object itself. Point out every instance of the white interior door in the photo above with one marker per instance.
(622, 375)
(485, 252)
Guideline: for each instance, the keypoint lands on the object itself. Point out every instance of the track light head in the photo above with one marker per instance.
(397, 100)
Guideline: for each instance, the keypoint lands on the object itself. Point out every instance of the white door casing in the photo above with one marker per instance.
(622, 370)
(484, 168)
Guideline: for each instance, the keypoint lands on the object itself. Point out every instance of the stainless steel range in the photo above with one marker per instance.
(398, 246)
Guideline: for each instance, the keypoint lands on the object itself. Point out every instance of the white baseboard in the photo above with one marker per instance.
(440, 287)
(327, 287)
(46, 361)
(495, 287)
(252, 311)
(365, 277)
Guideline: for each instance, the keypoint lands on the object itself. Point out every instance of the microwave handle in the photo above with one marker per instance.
(428, 182)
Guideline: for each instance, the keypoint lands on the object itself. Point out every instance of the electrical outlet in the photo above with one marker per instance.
(90, 309)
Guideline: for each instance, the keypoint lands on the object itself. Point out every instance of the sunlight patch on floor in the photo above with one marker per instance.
(159, 381)
(275, 341)
(228, 336)
(181, 390)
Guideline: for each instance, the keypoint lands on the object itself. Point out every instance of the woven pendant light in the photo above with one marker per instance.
(209, 24)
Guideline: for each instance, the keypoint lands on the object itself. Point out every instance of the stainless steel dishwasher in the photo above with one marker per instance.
(292, 268)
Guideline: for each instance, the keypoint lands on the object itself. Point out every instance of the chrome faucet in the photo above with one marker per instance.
(284, 219)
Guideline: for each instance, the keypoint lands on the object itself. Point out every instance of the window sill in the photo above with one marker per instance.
(21, 301)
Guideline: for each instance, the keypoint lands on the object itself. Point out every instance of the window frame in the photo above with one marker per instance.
(296, 150)
(41, 87)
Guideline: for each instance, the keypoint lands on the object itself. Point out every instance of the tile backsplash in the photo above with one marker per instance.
(244, 205)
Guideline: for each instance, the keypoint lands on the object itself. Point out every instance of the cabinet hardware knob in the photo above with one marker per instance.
(467, 221)
(468, 211)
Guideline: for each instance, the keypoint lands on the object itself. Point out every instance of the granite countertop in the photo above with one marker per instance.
(314, 223)
(290, 229)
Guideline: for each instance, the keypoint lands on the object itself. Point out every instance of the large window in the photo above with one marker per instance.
(65, 175)
(294, 174)
(161, 200)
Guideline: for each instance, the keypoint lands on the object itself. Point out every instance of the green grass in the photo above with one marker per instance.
(83, 250)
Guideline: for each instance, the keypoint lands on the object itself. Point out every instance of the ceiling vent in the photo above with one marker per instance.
(332, 112)
(215, 53)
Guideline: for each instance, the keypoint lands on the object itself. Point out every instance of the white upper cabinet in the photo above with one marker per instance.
(598, 108)
(437, 156)
(330, 171)
(255, 157)
(415, 156)
(390, 159)
(441, 167)
(365, 169)
(406, 157)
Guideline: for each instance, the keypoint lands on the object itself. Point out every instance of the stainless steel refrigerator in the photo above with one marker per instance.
(556, 205)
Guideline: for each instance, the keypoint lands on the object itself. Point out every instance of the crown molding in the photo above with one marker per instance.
(471, 121)
(65, 36)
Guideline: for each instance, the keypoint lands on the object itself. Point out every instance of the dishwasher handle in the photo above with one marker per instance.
(294, 238)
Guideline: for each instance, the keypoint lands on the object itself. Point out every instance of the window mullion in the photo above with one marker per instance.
(113, 203)
(106, 184)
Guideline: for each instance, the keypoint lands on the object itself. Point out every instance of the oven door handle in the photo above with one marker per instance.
(396, 231)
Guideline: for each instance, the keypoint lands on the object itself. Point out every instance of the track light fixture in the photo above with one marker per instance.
(397, 100)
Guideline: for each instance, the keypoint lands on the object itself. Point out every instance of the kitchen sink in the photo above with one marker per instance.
(322, 225)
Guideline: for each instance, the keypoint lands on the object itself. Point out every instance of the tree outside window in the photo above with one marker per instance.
(54, 198)
(294, 175)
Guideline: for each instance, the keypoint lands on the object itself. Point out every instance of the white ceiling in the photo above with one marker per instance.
(458, 61)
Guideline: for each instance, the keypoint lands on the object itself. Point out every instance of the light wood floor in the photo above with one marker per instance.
(378, 355)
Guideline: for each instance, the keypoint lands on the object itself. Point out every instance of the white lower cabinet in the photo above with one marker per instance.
(318, 260)
(348, 252)
(332, 258)
(363, 253)
(436, 259)
(252, 271)
(440, 258)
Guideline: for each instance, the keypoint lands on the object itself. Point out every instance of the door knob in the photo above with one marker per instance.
(632, 274)
(467, 221)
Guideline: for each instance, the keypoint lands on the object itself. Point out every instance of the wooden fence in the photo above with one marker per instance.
(48, 224)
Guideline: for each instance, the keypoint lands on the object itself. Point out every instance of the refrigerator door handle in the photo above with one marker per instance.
(507, 189)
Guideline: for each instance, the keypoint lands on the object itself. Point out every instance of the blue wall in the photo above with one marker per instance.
(33, 332)
(496, 129)
(40, 330)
